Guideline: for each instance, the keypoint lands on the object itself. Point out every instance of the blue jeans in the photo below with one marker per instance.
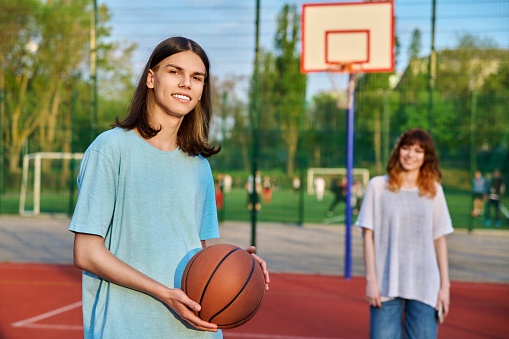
(403, 318)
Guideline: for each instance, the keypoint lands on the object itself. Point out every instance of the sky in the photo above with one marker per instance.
(226, 29)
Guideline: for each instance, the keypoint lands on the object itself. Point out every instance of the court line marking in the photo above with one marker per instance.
(54, 327)
(49, 314)
(332, 220)
(39, 283)
(30, 324)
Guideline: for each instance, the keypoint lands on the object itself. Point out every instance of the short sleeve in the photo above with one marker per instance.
(97, 183)
(442, 223)
(209, 228)
(367, 212)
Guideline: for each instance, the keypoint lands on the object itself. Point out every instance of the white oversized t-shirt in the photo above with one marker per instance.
(152, 208)
(405, 226)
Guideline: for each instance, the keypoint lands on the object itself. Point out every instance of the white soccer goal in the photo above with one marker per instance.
(330, 173)
(36, 173)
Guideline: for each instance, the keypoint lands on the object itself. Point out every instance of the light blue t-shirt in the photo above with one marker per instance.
(152, 208)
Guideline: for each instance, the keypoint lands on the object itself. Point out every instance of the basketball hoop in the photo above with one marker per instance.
(340, 67)
(341, 93)
(354, 70)
(345, 67)
(363, 41)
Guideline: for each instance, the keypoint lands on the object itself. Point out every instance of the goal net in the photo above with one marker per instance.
(48, 183)
(331, 174)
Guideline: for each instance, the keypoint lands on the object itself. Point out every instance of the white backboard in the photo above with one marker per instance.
(357, 34)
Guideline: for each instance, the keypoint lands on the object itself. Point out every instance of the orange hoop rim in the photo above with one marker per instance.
(343, 67)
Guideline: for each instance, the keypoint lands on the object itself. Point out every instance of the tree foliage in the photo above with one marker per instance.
(469, 105)
(325, 128)
(45, 73)
(282, 101)
(415, 45)
(470, 85)
(46, 92)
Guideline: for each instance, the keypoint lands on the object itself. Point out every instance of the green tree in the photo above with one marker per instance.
(325, 126)
(235, 153)
(115, 73)
(290, 84)
(471, 84)
(464, 73)
(267, 118)
(63, 48)
(415, 45)
(19, 45)
(372, 92)
(280, 101)
(46, 72)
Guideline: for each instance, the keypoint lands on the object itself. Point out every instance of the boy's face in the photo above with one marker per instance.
(178, 83)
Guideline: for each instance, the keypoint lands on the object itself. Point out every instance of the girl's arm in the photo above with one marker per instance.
(91, 255)
(443, 267)
(372, 291)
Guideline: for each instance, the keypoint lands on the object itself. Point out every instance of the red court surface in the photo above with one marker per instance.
(43, 301)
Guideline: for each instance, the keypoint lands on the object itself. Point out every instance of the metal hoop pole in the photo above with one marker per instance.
(349, 174)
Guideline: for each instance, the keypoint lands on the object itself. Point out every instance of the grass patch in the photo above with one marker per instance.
(285, 207)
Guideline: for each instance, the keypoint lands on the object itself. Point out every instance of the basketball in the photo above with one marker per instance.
(227, 282)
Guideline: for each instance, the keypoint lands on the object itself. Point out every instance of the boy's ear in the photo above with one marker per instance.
(150, 79)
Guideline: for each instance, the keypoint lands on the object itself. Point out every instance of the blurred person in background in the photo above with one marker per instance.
(495, 191)
(478, 191)
(319, 188)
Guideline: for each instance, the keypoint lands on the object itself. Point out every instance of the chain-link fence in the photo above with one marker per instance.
(68, 69)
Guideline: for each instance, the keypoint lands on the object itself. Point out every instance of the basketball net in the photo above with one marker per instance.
(343, 68)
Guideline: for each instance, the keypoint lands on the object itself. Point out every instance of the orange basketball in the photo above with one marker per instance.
(227, 282)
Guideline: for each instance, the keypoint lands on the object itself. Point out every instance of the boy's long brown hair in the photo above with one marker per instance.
(192, 137)
(429, 172)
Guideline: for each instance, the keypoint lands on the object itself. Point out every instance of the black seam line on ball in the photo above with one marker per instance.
(190, 266)
(213, 273)
(242, 289)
